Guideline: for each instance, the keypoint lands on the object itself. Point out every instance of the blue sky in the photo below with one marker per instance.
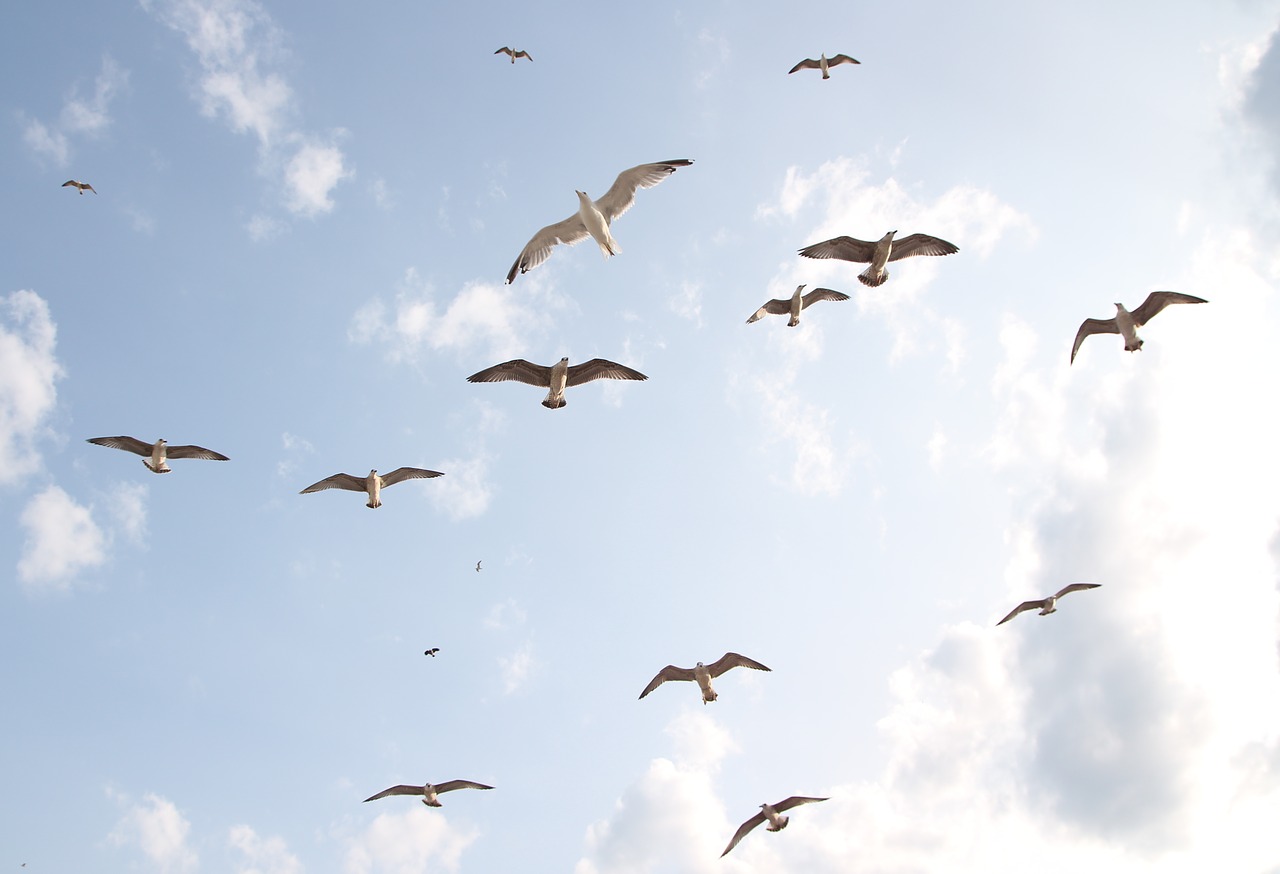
(296, 256)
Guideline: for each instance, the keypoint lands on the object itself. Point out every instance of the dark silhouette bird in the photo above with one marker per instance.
(515, 54)
(80, 186)
(432, 652)
(823, 63)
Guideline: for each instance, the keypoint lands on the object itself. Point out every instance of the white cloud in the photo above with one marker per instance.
(127, 504)
(310, 176)
(504, 615)
(157, 828)
(464, 491)
(687, 302)
(43, 141)
(264, 228)
(415, 841)
(517, 668)
(262, 855)
(296, 447)
(61, 540)
(87, 116)
(29, 370)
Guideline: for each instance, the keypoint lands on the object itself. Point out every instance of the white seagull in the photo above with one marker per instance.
(1048, 605)
(81, 186)
(555, 378)
(514, 54)
(823, 63)
(879, 253)
(703, 675)
(1126, 323)
(428, 791)
(155, 454)
(770, 812)
(372, 485)
(795, 304)
(594, 217)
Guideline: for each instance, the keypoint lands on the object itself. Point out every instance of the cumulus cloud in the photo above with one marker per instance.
(81, 115)
(310, 176)
(156, 827)
(62, 539)
(29, 371)
(408, 843)
(262, 855)
(465, 491)
(517, 668)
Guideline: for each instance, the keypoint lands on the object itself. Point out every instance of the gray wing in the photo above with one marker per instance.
(670, 672)
(821, 294)
(400, 474)
(774, 307)
(1076, 587)
(1025, 605)
(733, 660)
(795, 801)
(451, 785)
(844, 248)
(1158, 300)
(1092, 326)
(806, 64)
(622, 194)
(523, 54)
(503, 49)
(398, 790)
(72, 183)
(128, 444)
(518, 370)
(742, 832)
(538, 249)
(337, 481)
(599, 368)
(842, 59)
(921, 244)
(193, 452)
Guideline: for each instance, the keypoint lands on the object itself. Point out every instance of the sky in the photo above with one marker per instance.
(296, 255)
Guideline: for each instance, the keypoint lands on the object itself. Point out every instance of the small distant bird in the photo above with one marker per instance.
(823, 63)
(431, 652)
(429, 791)
(879, 253)
(155, 454)
(478, 566)
(1048, 605)
(703, 675)
(793, 306)
(770, 812)
(557, 377)
(593, 218)
(71, 183)
(514, 54)
(372, 485)
(1126, 323)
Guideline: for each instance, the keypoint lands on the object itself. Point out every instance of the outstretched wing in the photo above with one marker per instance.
(599, 368)
(128, 444)
(1076, 587)
(774, 307)
(450, 785)
(1025, 605)
(742, 832)
(921, 244)
(842, 59)
(1092, 326)
(523, 54)
(844, 248)
(398, 790)
(806, 64)
(795, 801)
(622, 194)
(733, 660)
(538, 249)
(400, 474)
(193, 452)
(1158, 300)
(516, 369)
(670, 672)
(503, 49)
(821, 294)
(337, 481)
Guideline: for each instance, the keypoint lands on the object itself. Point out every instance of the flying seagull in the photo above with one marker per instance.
(81, 186)
(879, 253)
(1126, 323)
(478, 566)
(771, 813)
(429, 791)
(703, 675)
(372, 484)
(594, 217)
(823, 63)
(557, 377)
(431, 652)
(793, 306)
(155, 454)
(514, 54)
(1048, 605)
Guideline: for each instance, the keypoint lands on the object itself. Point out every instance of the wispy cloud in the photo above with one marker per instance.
(517, 668)
(29, 371)
(262, 855)
(81, 115)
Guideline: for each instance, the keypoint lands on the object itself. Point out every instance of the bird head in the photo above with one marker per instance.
(373, 472)
(564, 360)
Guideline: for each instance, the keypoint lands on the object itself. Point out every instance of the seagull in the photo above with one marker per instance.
(154, 454)
(1049, 604)
(703, 675)
(594, 217)
(793, 306)
(557, 377)
(514, 54)
(372, 484)
(771, 813)
(879, 253)
(823, 63)
(428, 791)
(71, 183)
(478, 566)
(1126, 323)
(431, 652)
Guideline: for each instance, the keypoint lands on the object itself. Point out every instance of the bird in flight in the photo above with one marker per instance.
(795, 304)
(555, 378)
(593, 218)
(429, 791)
(1050, 604)
(823, 63)
(478, 566)
(515, 54)
(1126, 323)
(703, 674)
(879, 253)
(81, 186)
(431, 652)
(154, 455)
(372, 485)
(771, 813)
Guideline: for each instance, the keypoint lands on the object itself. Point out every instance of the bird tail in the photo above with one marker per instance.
(554, 405)
(163, 468)
(373, 505)
(609, 247)
(869, 278)
(795, 320)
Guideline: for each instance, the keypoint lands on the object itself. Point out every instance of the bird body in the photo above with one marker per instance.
(795, 304)
(514, 54)
(432, 652)
(79, 186)
(478, 565)
(703, 674)
(771, 813)
(155, 455)
(593, 220)
(1050, 604)
(1126, 323)
(429, 791)
(879, 253)
(372, 485)
(823, 63)
(557, 377)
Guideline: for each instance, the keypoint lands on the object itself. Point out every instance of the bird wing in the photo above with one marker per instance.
(400, 474)
(670, 672)
(742, 831)
(622, 194)
(844, 248)
(71, 182)
(516, 369)
(1025, 605)
(1092, 326)
(821, 294)
(90, 187)
(806, 64)
(774, 307)
(193, 452)
(128, 444)
(539, 247)
(1076, 587)
(503, 49)
(398, 790)
(1158, 300)
(795, 801)
(523, 54)
(921, 244)
(599, 368)
(842, 59)
(451, 785)
(337, 481)
(733, 660)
